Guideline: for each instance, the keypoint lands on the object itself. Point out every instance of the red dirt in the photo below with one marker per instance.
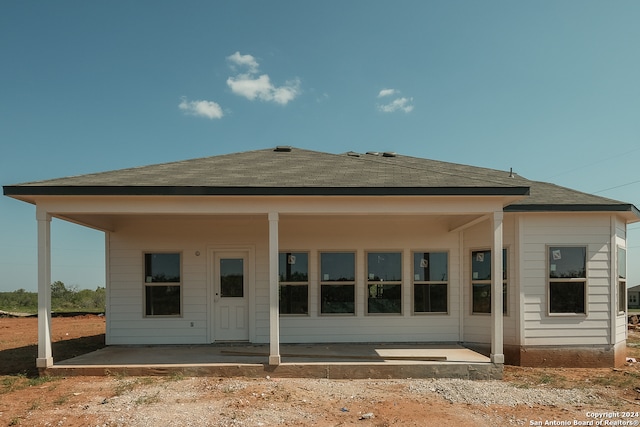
(81, 401)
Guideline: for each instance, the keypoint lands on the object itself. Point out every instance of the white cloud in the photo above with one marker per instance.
(398, 104)
(244, 60)
(387, 92)
(208, 109)
(260, 87)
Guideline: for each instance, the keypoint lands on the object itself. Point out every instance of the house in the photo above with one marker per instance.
(633, 297)
(288, 245)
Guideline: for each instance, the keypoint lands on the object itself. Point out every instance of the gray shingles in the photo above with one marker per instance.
(301, 168)
(298, 168)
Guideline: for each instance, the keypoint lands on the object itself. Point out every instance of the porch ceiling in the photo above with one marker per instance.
(110, 222)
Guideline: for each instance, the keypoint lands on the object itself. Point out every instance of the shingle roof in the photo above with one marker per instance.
(299, 171)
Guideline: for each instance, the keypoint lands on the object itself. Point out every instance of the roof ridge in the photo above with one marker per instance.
(375, 158)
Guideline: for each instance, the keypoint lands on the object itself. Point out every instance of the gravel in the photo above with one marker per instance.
(498, 393)
(273, 402)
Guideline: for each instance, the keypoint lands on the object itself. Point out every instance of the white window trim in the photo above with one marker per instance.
(430, 282)
(400, 283)
(336, 283)
(505, 283)
(621, 281)
(307, 283)
(145, 284)
(584, 281)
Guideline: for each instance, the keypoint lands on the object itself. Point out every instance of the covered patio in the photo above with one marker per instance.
(331, 361)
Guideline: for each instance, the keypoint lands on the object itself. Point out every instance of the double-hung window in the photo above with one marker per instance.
(567, 276)
(337, 283)
(163, 284)
(481, 281)
(430, 282)
(622, 280)
(293, 270)
(384, 283)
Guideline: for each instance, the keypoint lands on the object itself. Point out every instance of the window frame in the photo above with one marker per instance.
(147, 284)
(369, 281)
(621, 253)
(352, 283)
(484, 282)
(584, 280)
(293, 283)
(415, 282)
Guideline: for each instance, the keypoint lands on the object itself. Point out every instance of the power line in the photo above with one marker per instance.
(617, 186)
(597, 162)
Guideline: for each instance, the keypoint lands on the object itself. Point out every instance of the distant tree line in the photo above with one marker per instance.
(63, 299)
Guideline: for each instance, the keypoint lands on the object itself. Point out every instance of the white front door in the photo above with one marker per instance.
(231, 302)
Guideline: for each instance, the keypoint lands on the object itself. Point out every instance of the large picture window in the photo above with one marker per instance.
(481, 281)
(293, 268)
(337, 282)
(622, 280)
(430, 282)
(567, 275)
(163, 284)
(384, 283)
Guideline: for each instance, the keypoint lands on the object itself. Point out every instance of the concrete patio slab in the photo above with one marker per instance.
(298, 360)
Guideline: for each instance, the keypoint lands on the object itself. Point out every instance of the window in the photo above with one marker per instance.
(481, 281)
(384, 282)
(567, 280)
(294, 282)
(430, 280)
(337, 282)
(622, 280)
(163, 286)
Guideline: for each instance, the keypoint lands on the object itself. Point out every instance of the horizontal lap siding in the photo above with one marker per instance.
(126, 322)
(477, 327)
(127, 325)
(541, 231)
(621, 319)
(369, 329)
(363, 234)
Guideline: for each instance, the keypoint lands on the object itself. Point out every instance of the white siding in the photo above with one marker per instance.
(477, 327)
(362, 234)
(133, 237)
(590, 230)
(200, 234)
(621, 241)
(191, 236)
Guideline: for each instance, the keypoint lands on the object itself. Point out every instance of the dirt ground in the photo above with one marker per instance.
(526, 397)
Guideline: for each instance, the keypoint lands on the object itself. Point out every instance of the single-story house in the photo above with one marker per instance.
(633, 297)
(289, 245)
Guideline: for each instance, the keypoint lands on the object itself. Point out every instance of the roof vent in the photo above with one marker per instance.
(283, 149)
(389, 154)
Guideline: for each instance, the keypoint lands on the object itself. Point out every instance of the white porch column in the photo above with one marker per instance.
(45, 358)
(497, 330)
(274, 300)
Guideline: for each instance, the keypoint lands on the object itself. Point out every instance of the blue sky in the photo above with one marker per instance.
(548, 88)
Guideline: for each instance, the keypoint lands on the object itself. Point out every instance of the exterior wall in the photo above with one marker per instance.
(477, 327)
(571, 340)
(594, 232)
(620, 328)
(135, 236)
(531, 336)
(132, 238)
(362, 234)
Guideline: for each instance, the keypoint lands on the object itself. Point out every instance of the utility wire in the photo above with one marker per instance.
(617, 186)
(597, 162)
